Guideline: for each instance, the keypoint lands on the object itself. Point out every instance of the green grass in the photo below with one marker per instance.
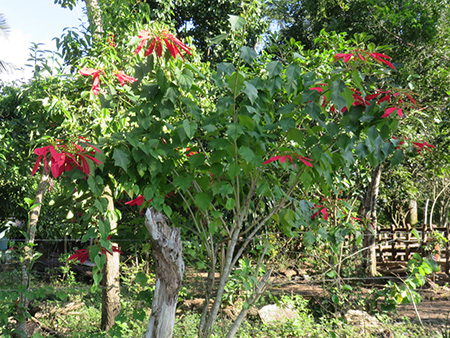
(72, 309)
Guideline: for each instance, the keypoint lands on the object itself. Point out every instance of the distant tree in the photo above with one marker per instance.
(400, 23)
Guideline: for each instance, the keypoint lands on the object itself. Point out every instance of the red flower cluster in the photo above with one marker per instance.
(394, 98)
(305, 160)
(83, 254)
(173, 44)
(417, 145)
(122, 77)
(362, 55)
(80, 255)
(96, 74)
(190, 153)
(322, 211)
(70, 156)
(421, 145)
(171, 41)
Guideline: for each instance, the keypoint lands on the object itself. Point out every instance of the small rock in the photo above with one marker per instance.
(273, 313)
(289, 273)
(361, 318)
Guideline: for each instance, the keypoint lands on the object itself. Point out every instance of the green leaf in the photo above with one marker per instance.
(274, 68)
(274, 85)
(237, 22)
(361, 150)
(309, 238)
(202, 200)
(251, 91)
(28, 201)
(293, 72)
(247, 122)
(105, 228)
(218, 39)
(286, 109)
(248, 54)
(416, 235)
(90, 234)
(233, 170)
(225, 67)
(397, 158)
(189, 128)
(246, 153)
(295, 135)
(93, 186)
(122, 159)
(185, 79)
(99, 206)
(332, 128)
(184, 182)
(338, 88)
(236, 82)
(230, 204)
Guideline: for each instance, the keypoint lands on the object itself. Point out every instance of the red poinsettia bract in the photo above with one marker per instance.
(67, 158)
(362, 55)
(305, 160)
(80, 255)
(114, 249)
(137, 201)
(96, 74)
(389, 111)
(421, 145)
(322, 211)
(172, 43)
(122, 77)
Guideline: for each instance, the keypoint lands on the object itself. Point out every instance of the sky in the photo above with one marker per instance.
(38, 21)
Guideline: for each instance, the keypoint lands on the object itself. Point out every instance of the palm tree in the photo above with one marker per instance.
(4, 28)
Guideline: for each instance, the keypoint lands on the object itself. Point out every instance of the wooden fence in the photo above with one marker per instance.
(397, 245)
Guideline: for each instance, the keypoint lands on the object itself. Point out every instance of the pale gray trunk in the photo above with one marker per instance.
(370, 213)
(28, 250)
(111, 273)
(94, 14)
(167, 249)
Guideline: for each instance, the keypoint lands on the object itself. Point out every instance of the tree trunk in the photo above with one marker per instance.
(167, 249)
(370, 213)
(111, 273)
(94, 14)
(412, 215)
(28, 251)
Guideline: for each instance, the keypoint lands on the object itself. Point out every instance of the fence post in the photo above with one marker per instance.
(393, 243)
(408, 239)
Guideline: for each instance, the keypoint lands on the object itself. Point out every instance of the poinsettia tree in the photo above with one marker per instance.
(228, 152)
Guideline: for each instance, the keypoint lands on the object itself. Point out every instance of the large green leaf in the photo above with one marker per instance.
(185, 79)
(274, 68)
(190, 128)
(237, 22)
(248, 54)
(338, 88)
(122, 159)
(251, 91)
(202, 200)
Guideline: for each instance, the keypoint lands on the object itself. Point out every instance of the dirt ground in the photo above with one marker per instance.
(434, 307)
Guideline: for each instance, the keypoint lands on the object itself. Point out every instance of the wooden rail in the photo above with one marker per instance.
(397, 245)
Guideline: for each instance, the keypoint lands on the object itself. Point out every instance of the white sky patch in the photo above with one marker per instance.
(14, 50)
